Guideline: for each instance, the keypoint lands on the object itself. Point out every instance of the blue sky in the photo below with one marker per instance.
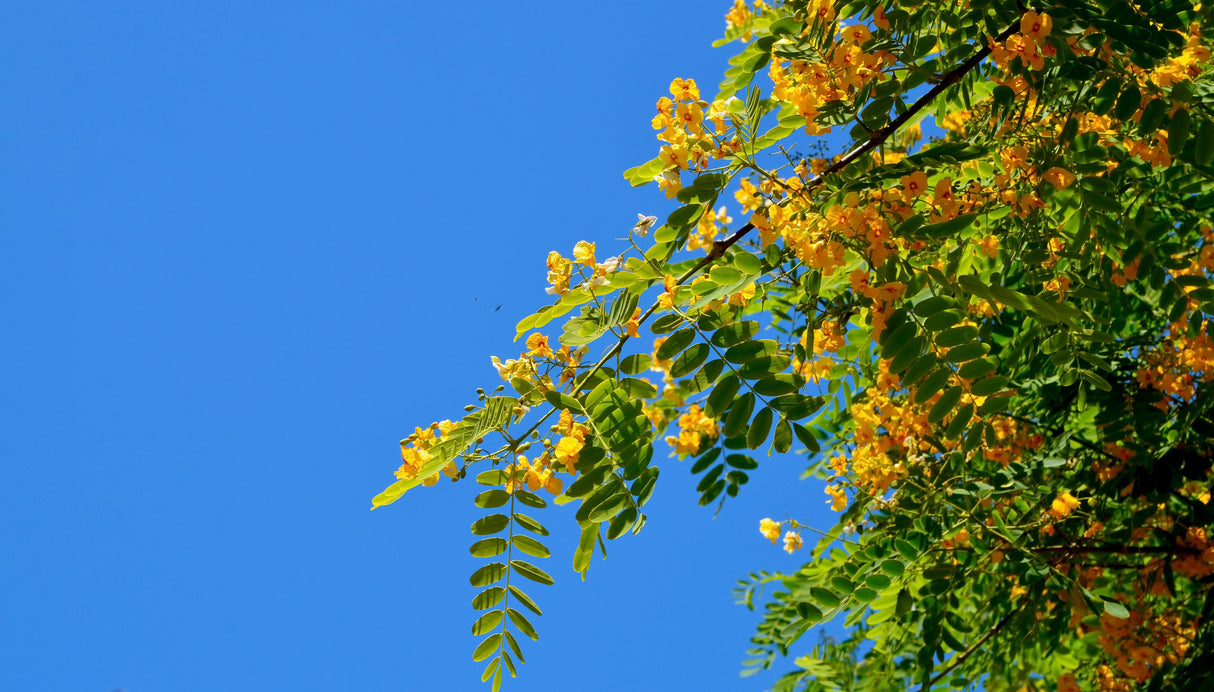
(246, 248)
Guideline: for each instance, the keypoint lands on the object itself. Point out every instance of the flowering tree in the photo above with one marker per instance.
(993, 342)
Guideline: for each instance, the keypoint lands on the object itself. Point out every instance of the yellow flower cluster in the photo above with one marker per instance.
(1140, 644)
(692, 426)
(886, 429)
(569, 447)
(1011, 441)
(1025, 45)
(808, 86)
(710, 223)
(687, 146)
(1187, 65)
(560, 269)
(1178, 363)
(415, 451)
(534, 475)
(1200, 564)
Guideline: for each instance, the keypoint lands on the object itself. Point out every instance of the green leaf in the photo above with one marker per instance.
(750, 265)
(947, 228)
(824, 597)
(492, 498)
(989, 386)
(931, 384)
(530, 499)
(760, 428)
(492, 477)
(905, 603)
(675, 343)
(721, 396)
(522, 623)
(778, 385)
(809, 611)
(643, 487)
(957, 425)
(967, 352)
(805, 437)
(487, 647)
(487, 622)
(734, 333)
(524, 599)
(977, 368)
(1203, 152)
(489, 598)
(563, 402)
(689, 360)
(750, 350)
(644, 173)
(1178, 131)
(514, 647)
(666, 324)
(739, 415)
(530, 524)
(864, 594)
(530, 571)
(906, 549)
(585, 549)
(782, 441)
(879, 582)
(684, 217)
(638, 388)
(1115, 609)
(762, 367)
(956, 336)
(1152, 116)
(487, 526)
(530, 546)
(944, 405)
(636, 363)
(488, 574)
(488, 547)
(741, 461)
(893, 568)
(706, 376)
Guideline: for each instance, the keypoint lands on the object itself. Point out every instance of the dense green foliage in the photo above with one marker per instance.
(993, 342)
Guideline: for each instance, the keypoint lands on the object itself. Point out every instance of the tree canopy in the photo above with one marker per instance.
(992, 340)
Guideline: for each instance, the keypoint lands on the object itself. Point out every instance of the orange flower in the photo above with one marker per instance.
(1036, 26)
(914, 184)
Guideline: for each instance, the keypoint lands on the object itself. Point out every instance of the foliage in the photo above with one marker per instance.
(993, 342)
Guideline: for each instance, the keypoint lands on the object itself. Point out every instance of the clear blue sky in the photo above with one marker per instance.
(246, 248)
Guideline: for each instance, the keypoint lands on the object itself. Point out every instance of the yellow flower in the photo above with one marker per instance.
(1060, 178)
(1063, 505)
(568, 449)
(742, 297)
(684, 89)
(537, 346)
(633, 324)
(839, 497)
(583, 253)
(770, 530)
(792, 542)
(990, 246)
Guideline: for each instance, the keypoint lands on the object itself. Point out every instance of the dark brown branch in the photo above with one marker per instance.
(1119, 550)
